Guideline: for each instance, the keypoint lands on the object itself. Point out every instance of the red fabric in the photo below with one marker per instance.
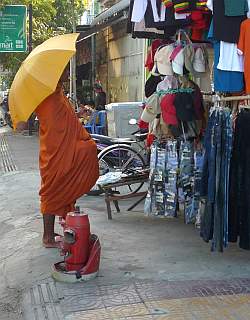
(150, 139)
(142, 124)
(151, 54)
(198, 20)
(197, 35)
(168, 109)
(149, 62)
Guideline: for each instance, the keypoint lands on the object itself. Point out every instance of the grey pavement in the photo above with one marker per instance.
(135, 250)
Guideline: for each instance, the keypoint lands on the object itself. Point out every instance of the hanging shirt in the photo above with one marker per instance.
(225, 28)
(150, 18)
(210, 4)
(224, 81)
(230, 60)
(234, 8)
(139, 10)
(244, 47)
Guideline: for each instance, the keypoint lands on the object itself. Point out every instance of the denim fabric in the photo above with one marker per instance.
(228, 134)
(187, 178)
(198, 163)
(239, 214)
(217, 242)
(208, 173)
(218, 147)
(171, 194)
(162, 196)
(207, 218)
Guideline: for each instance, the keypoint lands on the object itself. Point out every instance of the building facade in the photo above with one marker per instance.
(117, 59)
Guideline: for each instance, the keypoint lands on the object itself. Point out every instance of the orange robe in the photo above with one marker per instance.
(68, 156)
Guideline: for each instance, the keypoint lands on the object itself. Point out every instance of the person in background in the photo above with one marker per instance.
(100, 97)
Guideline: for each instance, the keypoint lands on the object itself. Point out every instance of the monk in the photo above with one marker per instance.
(68, 159)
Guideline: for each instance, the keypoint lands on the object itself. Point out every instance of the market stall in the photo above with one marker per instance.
(199, 141)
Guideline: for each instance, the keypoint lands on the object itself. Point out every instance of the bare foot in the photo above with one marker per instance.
(50, 242)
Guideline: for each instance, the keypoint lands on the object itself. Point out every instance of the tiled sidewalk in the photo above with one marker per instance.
(199, 308)
(170, 300)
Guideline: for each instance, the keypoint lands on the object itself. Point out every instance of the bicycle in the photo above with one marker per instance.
(123, 155)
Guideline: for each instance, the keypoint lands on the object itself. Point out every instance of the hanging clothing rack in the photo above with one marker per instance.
(231, 98)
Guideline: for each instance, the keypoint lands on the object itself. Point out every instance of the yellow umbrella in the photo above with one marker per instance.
(38, 75)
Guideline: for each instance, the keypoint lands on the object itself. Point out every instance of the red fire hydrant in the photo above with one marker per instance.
(76, 240)
(80, 248)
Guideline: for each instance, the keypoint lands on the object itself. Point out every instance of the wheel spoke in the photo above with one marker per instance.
(125, 165)
(121, 158)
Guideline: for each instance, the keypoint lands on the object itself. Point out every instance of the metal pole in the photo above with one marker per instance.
(93, 65)
(73, 60)
(30, 124)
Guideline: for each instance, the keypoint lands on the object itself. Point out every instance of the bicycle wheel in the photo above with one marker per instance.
(121, 158)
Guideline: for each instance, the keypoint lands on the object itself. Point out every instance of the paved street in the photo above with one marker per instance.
(150, 268)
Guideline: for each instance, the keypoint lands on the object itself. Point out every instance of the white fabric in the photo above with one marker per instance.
(139, 10)
(140, 27)
(210, 4)
(181, 16)
(140, 7)
(169, 82)
(248, 14)
(110, 177)
(229, 59)
(163, 12)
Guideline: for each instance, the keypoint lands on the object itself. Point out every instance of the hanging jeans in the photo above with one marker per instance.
(239, 213)
(215, 179)
(162, 197)
(187, 178)
(171, 193)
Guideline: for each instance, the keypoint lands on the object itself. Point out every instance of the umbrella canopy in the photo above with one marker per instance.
(39, 74)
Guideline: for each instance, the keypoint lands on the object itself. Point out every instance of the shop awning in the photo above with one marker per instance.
(109, 17)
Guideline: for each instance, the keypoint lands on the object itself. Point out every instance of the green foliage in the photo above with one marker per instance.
(50, 17)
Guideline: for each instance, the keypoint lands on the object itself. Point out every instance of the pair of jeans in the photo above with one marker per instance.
(187, 178)
(228, 134)
(171, 194)
(239, 213)
(217, 241)
(162, 194)
(208, 171)
(207, 191)
(218, 141)
(154, 203)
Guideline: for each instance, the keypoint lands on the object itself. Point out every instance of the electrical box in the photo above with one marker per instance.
(119, 115)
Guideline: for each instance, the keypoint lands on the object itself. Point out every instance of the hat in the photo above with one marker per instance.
(184, 106)
(151, 85)
(189, 57)
(151, 109)
(194, 61)
(178, 62)
(168, 109)
(175, 52)
(162, 61)
(199, 63)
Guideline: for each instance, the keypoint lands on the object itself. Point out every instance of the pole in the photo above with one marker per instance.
(93, 65)
(73, 60)
(30, 124)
